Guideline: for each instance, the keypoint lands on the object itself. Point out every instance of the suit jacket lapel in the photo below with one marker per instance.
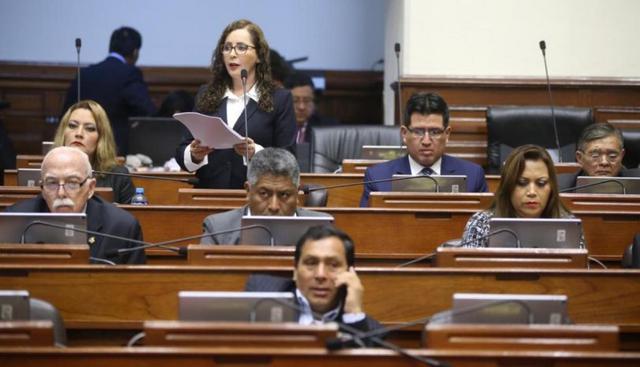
(238, 126)
(402, 166)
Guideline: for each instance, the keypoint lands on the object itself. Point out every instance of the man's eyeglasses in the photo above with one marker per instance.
(611, 155)
(69, 186)
(434, 133)
(240, 48)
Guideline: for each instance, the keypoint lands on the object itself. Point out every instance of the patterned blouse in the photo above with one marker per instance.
(478, 227)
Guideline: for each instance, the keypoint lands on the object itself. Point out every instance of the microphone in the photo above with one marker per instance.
(183, 250)
(94, 233)
(243, 77)
(355, 335)
(78, 45)
(543, 48)
(461, 244)
(192, 180)
(307, 189)
(569, 189)
(338, 343)
(397, 50)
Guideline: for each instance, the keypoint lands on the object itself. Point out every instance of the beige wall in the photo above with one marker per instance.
(500, 38)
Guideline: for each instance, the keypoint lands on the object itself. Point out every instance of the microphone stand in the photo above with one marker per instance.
(543, 47)
(78, 45)
(569, 189)
(397, 51)
(243, 77)
(307, 190)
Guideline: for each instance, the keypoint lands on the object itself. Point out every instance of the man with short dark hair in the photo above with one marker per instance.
(325, 283)
(425, 133)
(116, 84)
(304, 98)
(68, 187)
(273, 177)
(600, 153)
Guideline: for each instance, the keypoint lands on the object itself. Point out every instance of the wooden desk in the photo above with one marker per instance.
(295, 357)
(383, 231)
(90, 296)
(10, 195)
(344, 197)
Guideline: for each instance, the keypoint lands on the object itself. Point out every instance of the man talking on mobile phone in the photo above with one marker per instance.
(325, 283)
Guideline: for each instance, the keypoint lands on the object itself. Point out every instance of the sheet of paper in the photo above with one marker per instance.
(210, 130)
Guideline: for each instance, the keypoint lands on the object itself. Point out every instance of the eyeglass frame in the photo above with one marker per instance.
(434, 132)
(596, 155)
(234, 48)
(43, 185)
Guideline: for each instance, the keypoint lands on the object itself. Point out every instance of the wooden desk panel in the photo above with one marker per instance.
(295, 357)
(346, 197)
(125, 296)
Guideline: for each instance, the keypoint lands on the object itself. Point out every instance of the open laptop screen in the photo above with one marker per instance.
(29, 176)
(236, 306)
(12, 226)
(286, 230)
(450, 183)
(479, 308)
(538, 232)
(631, 185)
(14, 305)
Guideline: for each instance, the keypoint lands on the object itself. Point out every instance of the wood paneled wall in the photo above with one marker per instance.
(36, 93)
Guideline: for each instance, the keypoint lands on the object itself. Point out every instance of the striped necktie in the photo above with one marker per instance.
(427, 171)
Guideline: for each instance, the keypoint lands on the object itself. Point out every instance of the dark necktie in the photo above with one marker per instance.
(427, 171)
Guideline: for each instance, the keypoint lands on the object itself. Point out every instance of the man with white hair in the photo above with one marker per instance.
(68, 187)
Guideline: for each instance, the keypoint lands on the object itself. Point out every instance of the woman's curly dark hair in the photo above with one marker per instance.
(211, 97)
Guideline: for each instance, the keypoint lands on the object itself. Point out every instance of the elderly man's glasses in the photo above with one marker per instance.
(240, 48)
(69, 186)
(418, 132)
(610, 155)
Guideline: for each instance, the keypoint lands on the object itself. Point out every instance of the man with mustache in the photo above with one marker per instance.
(68, 187)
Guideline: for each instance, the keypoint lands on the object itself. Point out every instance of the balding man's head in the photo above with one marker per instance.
(67, 181)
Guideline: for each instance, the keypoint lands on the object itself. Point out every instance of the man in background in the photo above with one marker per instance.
(116, 84)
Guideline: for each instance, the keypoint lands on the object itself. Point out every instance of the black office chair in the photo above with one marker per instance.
(42, 310)
(632, 148)
(509, 127)
(631, 256)
(331, 144)
(315, 195)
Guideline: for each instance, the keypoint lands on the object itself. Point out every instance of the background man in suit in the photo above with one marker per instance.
(325, 283)
(68, 187)
(273, 177)
(600, 153)
(425, 132)
(117, 85)
(303, 92)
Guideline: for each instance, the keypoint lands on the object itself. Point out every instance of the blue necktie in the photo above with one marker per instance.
(427, 171)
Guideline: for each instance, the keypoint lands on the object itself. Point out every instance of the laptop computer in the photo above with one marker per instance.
(12, 226)
(236, 306)
(382, 151)
(479, 308)
(14, 305)
(536, 232)
(29, 176)
(286, 230)
(631, 185)
(447, 183)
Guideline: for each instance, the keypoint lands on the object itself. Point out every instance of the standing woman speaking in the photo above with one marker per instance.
(271, 120)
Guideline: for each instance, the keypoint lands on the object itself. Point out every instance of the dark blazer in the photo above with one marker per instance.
(123, 189)
(226, 169)
(316, 120)
(120, 89)
(568, 180)
(102, 217)
(271, 283)
(450, 166)
(231, 219)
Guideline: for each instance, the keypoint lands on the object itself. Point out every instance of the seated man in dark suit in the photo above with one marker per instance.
(68, 187)
(273, 177)
(325, 283)
(303, 92)
(600, 152)
(425, 132)
(117, 85)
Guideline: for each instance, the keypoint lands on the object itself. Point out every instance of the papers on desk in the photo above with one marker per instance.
(210, 130)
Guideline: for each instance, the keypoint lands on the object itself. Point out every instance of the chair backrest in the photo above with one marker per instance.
(632, 148)
(511, 126)
(331, 144)
(41, 310)
(156, 137)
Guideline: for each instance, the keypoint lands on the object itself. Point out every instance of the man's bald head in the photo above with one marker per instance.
(67, 181)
